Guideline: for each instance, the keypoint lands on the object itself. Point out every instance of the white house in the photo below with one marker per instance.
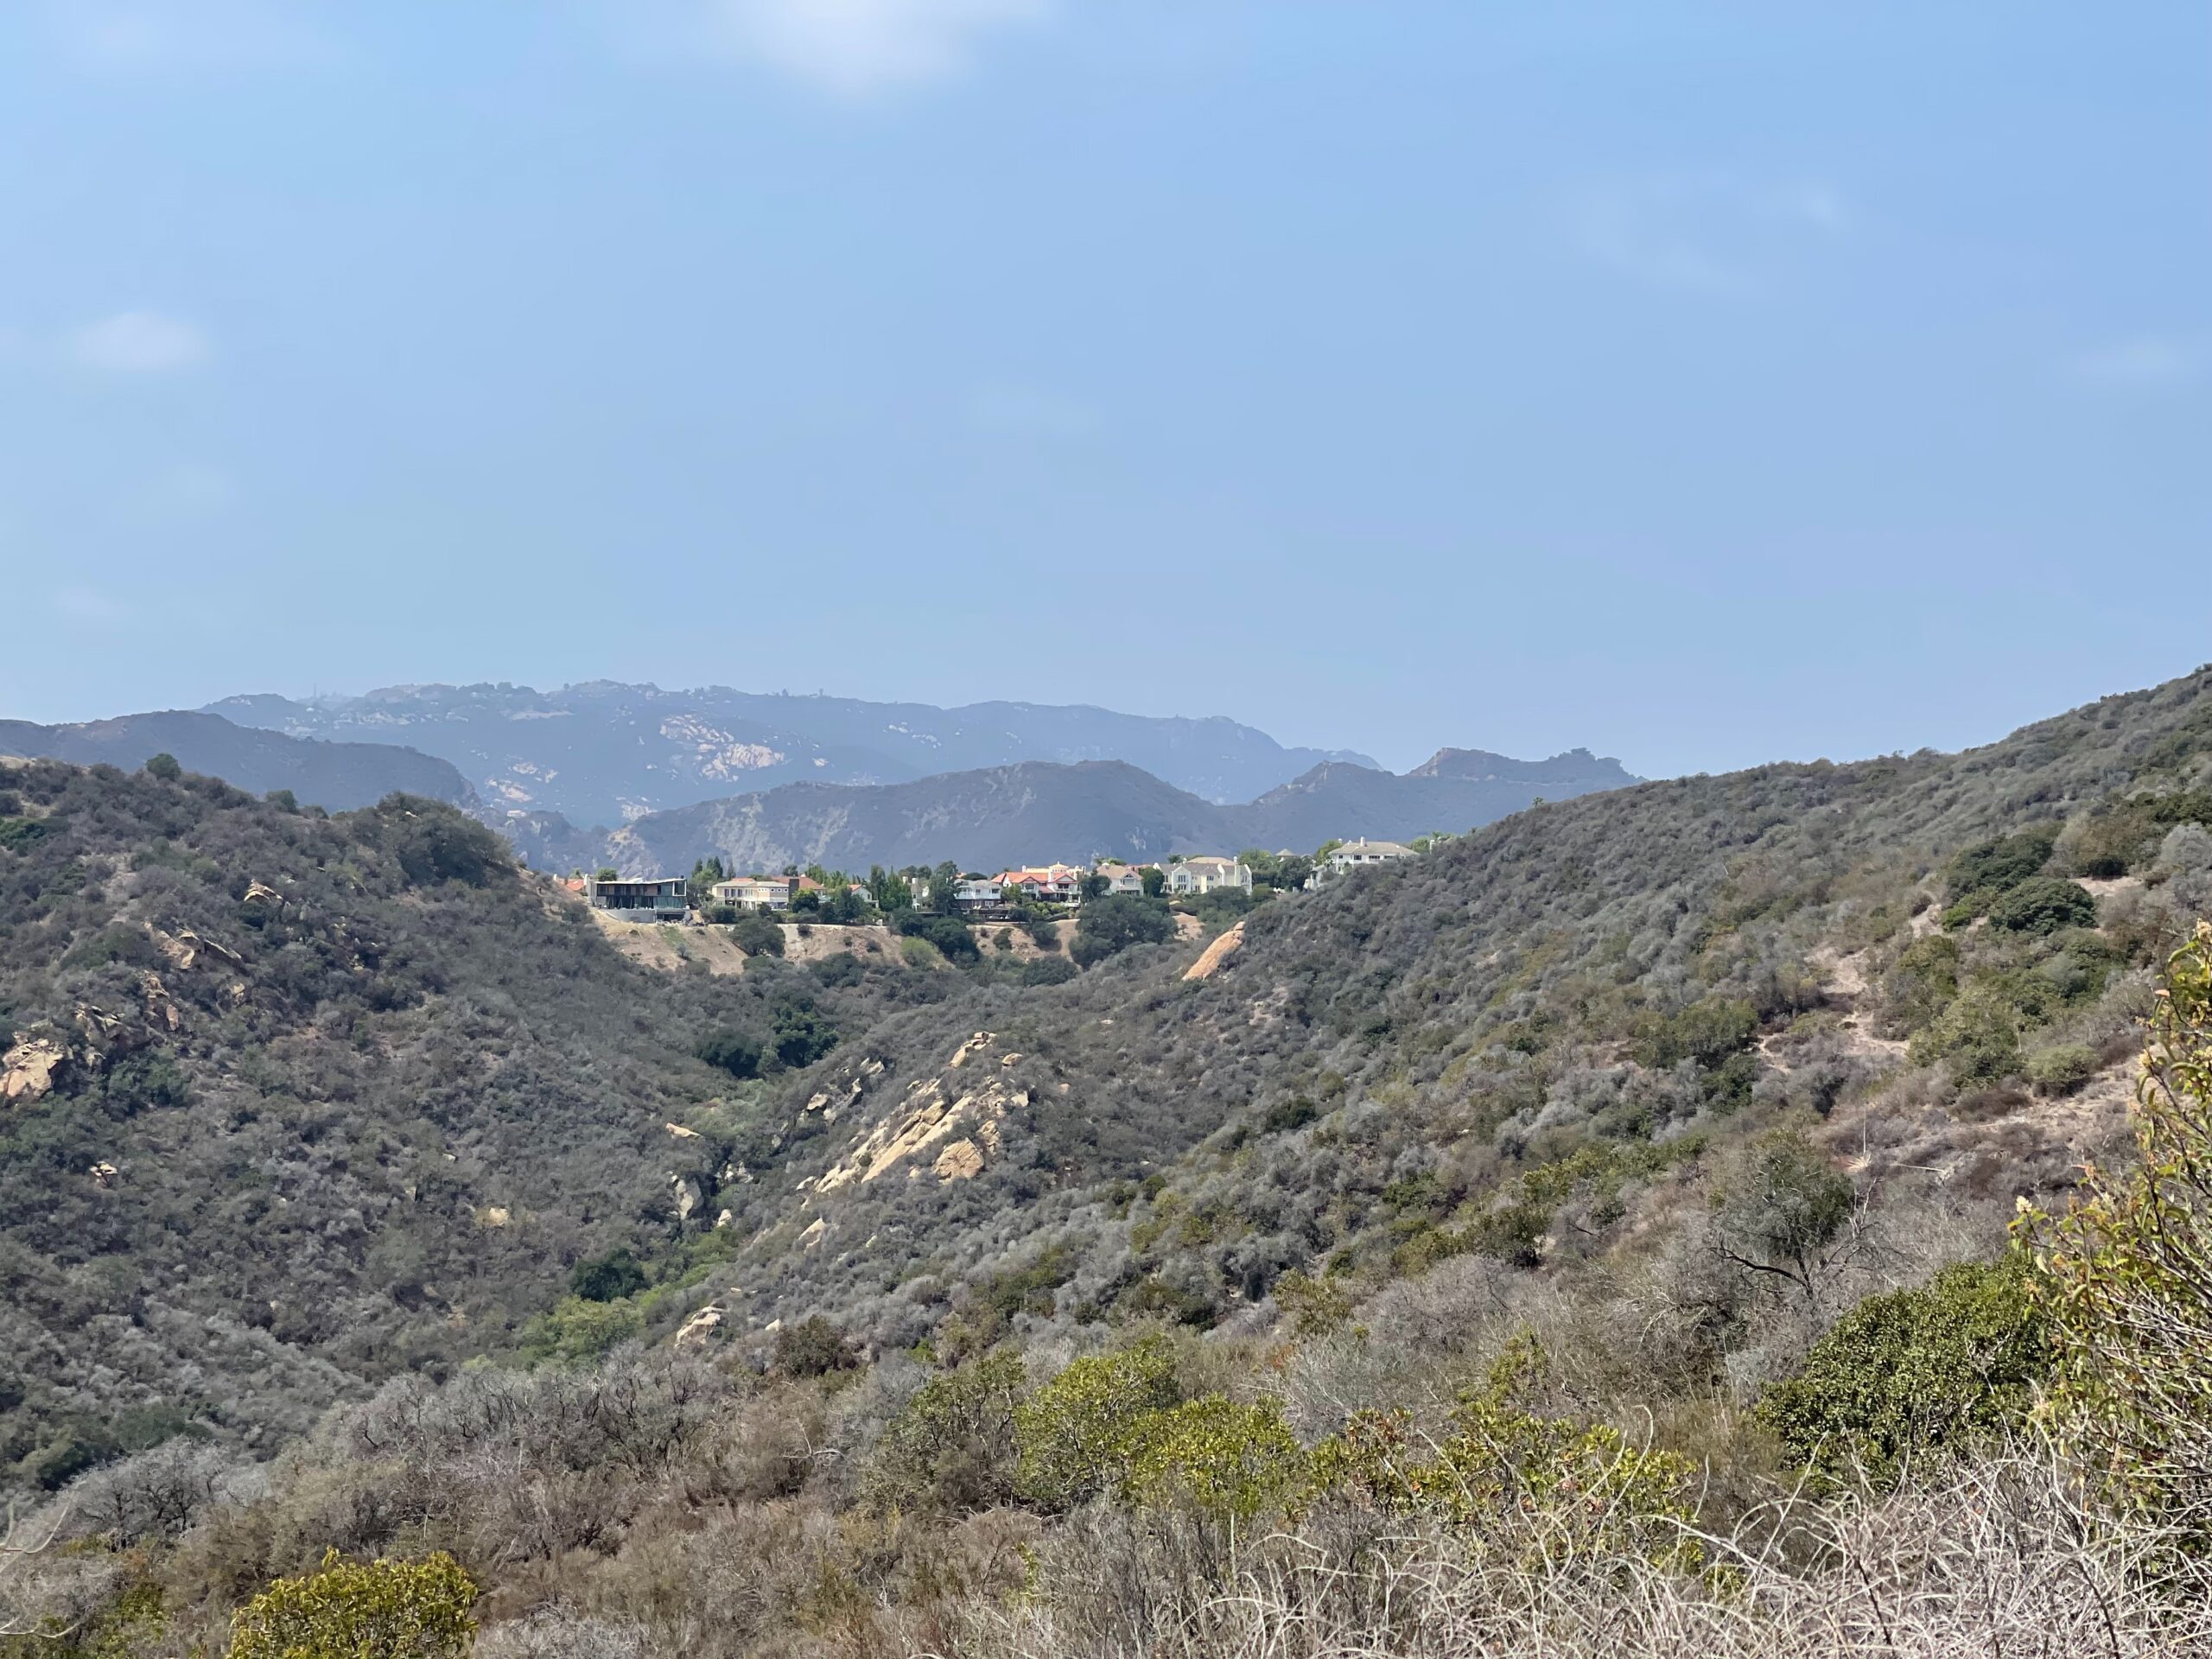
(978, 895)
(1358, 855)
(1127, 878)
(1049, 884)
(755, 892)
(1195, 875)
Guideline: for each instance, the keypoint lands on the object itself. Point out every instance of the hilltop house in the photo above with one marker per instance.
(1196, 875)
(755, 892)
(1052, 883)
(661, 897)
(1126, 879)
(1358, 855)
(979, 895)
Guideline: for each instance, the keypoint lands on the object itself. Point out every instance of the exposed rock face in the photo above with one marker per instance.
(30, 1069)
(262, 904)
(104, 1174)
(687, 1196)
(961, 1161)
(934, 1129)
(1209, 960)
(161, 1008)
(701, 1326)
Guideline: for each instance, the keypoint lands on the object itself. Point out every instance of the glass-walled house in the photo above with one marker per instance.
(661, 897)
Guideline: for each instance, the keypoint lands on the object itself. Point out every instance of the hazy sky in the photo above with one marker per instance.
(1706, 384)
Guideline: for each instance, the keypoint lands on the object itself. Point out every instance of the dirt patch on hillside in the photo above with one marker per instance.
(825, 939)
(1188, 927)
(1019, 946)
(670, 948)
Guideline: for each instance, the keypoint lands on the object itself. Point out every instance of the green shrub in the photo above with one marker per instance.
(2062, 1070)
(164, 766)
(607, 1278)
(1228, 1461)
(1109, 925)
(802, 1033)
(840, 972)
(2124, 1283)
(1783, 1205)
(370, 1610)
(1285, 1115)
(1923, 981)
(1048, 970)
(1566, 1489)
(1991, 866)
(948, 933)
(1931, 1368)
(953, 1449)
(20, 834)
(1708, 1030)
(1043, 933)
(576, 1330)
(757, 935)
(1978, 1033)
(2119, 835)
(813, 1347)
(1079, 1434)
(731, 1052)
(435, 843)
(2041, 905)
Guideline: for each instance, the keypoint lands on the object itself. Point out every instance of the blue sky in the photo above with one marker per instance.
(1706, 384)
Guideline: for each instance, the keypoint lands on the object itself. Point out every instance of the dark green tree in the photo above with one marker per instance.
(1108, 925)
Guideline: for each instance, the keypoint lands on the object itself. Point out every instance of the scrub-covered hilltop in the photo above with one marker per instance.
(289, 1102)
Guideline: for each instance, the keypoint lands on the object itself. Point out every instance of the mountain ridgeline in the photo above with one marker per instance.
(337, 777)
(602, 753)
(1023, 814)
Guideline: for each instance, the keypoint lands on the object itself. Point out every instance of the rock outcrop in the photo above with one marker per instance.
(31, 1069)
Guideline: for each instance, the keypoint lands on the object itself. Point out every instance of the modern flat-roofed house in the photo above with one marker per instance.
(1124, 879)
(658, 896)
(1358, 855)
(1195, 875)
(755, 892)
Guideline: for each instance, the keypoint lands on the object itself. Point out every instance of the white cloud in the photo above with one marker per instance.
(139, 342)
(859, 48)
(1704, 233)
(2145, 361)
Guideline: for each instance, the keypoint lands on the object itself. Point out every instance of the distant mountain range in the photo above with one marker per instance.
(606, 753)
(1039, 810)
(336, 776)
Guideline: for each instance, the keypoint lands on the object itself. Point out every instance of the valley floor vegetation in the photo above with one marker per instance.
(2016, 1459)
(1655, 1224)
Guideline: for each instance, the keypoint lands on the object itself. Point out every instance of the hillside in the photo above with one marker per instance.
(290, 1103)
(1036, 811)
(990, 1326)
(1622, 979)
(602, 753)
(335, 776)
